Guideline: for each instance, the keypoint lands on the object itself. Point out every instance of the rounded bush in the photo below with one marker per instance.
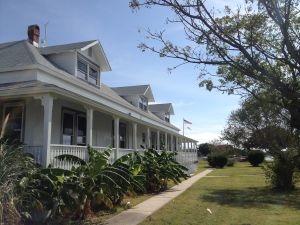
(256, 157)
(217, 160)
(230, 162)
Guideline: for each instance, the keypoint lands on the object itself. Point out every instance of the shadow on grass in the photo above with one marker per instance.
(253, 197)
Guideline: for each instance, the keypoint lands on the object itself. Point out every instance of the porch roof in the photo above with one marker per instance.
(38, 87)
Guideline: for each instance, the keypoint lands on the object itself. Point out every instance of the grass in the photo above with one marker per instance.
(236, 196)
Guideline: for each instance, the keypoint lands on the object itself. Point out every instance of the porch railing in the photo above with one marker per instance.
(75, 150)
(186, 157)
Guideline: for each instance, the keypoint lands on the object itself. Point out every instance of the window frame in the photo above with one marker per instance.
(143, 103)
(88, 77)
(16, 104)
(75, 133)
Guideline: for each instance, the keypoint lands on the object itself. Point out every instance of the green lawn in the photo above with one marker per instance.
(236, 196)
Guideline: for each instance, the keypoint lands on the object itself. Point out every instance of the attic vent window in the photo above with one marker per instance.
(87, 71)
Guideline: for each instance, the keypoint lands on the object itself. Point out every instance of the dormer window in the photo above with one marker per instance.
(82, 68)
(86, 70)
(143, 103)
(93, 75)
(167, 118)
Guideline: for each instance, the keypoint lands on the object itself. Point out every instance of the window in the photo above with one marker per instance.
(73, 128)
(88, 71)
(143, 103)
(81, 130)
(167, 118)
(122, 133)
(14, 127)
(93, 76)
(82, 68)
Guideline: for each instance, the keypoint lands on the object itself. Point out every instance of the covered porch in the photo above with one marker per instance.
(53, 125)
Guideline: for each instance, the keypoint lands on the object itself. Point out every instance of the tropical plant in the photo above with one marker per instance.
(158, 168)
(92, 183)
(37, 197)
(134, 164)
(14, 164)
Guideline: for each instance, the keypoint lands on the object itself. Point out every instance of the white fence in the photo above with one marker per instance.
(187, 157)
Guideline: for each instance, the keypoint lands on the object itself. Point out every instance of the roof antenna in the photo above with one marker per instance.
(44, 40)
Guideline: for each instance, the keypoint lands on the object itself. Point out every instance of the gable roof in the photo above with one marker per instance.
(165, 108)
(79, 46)
(144, 90)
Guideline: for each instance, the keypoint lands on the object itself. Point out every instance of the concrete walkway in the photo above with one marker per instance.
(139, 212)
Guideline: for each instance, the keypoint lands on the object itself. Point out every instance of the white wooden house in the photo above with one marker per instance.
(57, 104)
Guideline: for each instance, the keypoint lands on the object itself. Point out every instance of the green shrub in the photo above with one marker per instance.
(217, 160)
(281, 173)
(230, 162)
(256, 157)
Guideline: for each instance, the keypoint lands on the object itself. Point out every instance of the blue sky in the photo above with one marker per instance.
(120, 31)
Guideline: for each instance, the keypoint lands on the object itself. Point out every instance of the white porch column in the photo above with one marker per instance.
(89, 126)
(172, 143)
(148, 138)
(116, 136)
(47, 102)
(158, 141)
(166, 141)
(134, 133)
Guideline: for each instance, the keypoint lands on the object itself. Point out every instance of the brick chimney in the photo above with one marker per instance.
(33, 32)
